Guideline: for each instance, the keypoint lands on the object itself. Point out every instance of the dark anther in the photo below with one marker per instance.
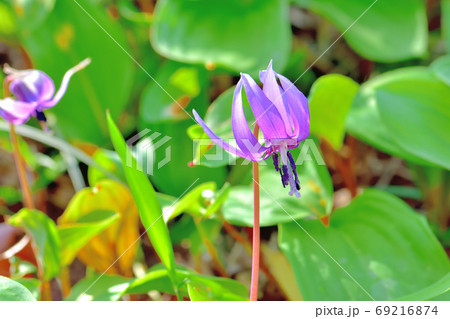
(41, 116)
(294, 170)
(275, 161)
(285, 176)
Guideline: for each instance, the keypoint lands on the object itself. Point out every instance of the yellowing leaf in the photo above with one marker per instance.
(104, 249)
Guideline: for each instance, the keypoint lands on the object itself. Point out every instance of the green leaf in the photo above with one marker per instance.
(32, 284)
(387, 32)
(378, 239)
(45, 236)
(218, 288)
(145, 196)
(75, 235)
(441, 67)
(416, 114)
(8, 23)
(191, 202)
(316, 194)
(440, 287)
(11, 290)
(110, 162)
(239, 35)
(420, 98)
(199, 291)
(10, 195)
(217, 200)
(68, 35)
(100, 288)
(181, 82)
(30, 13)
(330, 99)
(445, 22)
(163, 125)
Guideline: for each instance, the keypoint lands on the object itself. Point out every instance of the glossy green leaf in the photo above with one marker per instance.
(218, 288)
(417, 115)
(145, 196)
(11, 290)
(75, 235)
(375, 131)
(316, 193)
(68, 35)
(436, 289)
(99, 288)
(387, 31)
(330, 99)
(441, 67)
(239, 35)
(378, 239)
(32, 284)
(45, 236)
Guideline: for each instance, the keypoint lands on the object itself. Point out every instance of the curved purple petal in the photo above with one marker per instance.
(65, 82)
(32, 86)
(16, 112)
(276, 95)
(216, 139)
(298, 105)
(245, 139)
(267, 117)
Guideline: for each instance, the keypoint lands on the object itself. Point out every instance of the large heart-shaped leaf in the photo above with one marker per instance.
(384, 31)
(68, 35)
(45, 236)
(316, 192)
(239, 35)
(385, 249)
(11, 290)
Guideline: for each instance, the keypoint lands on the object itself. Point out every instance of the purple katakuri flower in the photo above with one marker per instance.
(34, 92)
(282, 114)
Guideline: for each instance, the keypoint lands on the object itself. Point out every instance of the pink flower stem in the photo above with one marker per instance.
(256, 236)
(20, 163)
